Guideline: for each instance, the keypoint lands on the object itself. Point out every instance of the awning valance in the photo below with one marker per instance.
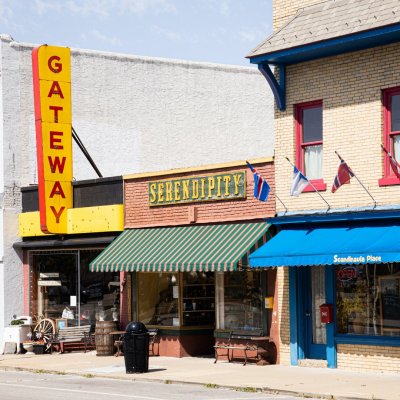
(223, 247)
(346, 243)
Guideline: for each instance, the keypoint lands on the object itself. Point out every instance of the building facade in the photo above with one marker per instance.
(184, 250)
(337, 93)
(142, 118)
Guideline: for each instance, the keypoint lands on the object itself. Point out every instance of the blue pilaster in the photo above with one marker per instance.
(294, 356)
(330, 328)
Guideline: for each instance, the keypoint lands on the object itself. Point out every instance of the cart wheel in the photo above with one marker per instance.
(45, 329)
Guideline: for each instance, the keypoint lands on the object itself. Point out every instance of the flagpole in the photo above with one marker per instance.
(355, 176)
(272, 191)
(390, 155)
(280, 200)
(315, 189)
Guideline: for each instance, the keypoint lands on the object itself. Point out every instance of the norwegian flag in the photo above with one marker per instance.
(261, 187)
(393, 163)
(343, 176)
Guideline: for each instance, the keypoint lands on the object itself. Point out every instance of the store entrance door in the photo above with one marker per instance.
(312, 291)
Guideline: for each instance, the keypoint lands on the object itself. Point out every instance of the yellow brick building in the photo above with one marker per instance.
(337, 88)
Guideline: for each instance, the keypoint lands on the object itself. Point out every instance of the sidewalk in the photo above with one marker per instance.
(308, 382)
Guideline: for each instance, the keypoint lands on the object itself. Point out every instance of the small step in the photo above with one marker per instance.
(308, 362)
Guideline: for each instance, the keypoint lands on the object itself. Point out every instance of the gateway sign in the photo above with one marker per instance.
(53, 119)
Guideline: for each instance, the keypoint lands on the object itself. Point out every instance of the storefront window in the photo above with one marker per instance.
(62, 287)
(239, 300)
(158, 295)
(368, 299)
(198, 298)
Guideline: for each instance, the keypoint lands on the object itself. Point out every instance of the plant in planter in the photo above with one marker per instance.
(16, 322)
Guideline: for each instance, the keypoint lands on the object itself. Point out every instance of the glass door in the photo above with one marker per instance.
(311, 291)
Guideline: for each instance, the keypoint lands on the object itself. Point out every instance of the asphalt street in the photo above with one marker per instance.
(39, 386)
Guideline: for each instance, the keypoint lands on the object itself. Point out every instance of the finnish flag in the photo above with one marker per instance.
(300, 182)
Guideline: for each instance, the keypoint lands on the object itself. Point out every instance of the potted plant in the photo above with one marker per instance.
(16, 322)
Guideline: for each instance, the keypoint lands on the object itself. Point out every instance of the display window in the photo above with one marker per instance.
(176, 299)
(61, 287)
(158, 295)
(233, 301)
(240, 299)
(368, 299)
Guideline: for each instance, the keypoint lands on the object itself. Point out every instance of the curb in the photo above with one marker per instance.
(136, 377)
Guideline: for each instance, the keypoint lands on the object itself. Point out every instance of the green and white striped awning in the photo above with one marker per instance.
(222, 247)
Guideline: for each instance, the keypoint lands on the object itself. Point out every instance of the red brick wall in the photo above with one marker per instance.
(26, 282)
(139, 214)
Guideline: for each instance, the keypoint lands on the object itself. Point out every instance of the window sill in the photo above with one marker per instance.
(318, 184)
(389, 181)
(368, 340)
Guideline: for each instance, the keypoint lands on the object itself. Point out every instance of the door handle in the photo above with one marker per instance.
(308, 314)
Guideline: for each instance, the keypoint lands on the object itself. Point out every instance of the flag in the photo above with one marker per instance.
(393, 163)
(300, 182)
(343, 176)
(261, 187)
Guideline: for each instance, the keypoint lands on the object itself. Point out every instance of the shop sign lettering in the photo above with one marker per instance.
(198, 189)
(356, 259)
(53, 119)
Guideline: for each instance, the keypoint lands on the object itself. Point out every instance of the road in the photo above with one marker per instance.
(38, 386)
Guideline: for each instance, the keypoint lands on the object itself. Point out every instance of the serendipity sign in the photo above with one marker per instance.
(197, 189)
(53, 118)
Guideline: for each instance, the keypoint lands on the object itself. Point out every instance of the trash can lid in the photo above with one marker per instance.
(136, 327)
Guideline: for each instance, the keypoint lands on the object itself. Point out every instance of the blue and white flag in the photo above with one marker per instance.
(261, 187)
(300, 182)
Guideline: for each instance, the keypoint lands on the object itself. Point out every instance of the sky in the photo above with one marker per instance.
(219, 31)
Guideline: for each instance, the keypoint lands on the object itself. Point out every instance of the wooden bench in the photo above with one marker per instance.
(245, 341)
(75, 338)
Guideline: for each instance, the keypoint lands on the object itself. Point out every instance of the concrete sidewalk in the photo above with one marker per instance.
(308, 382)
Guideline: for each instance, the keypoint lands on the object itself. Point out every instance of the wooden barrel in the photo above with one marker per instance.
(105, 341)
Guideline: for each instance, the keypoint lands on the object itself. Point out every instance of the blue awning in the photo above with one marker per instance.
(330, 244)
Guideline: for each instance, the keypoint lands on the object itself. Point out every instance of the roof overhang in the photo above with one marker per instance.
(344, 44)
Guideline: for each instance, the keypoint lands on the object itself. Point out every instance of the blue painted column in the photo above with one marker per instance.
(294, 355)
(330, 294)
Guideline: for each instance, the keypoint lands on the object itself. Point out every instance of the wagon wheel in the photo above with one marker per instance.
(45, 329)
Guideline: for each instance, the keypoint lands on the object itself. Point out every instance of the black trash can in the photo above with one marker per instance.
(136, 348)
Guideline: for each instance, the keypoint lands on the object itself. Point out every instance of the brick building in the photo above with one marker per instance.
(184, 252)
(337, 88)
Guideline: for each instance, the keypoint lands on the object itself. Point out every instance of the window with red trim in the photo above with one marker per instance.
(391, 133)
(309, 142)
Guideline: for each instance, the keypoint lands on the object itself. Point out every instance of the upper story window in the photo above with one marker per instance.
(391, 133)
(309, 143)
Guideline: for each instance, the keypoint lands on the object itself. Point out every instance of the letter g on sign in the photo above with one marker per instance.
(55, 67)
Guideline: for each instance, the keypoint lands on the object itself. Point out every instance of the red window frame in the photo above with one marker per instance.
(300, 145)
(389, 178)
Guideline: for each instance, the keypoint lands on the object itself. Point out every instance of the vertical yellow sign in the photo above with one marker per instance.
(53, 118)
